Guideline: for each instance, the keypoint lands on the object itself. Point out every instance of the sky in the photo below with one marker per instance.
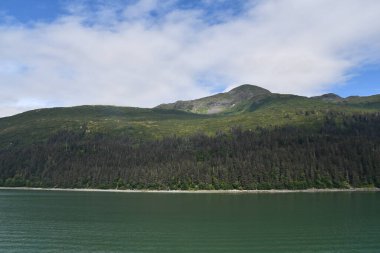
(143, 53)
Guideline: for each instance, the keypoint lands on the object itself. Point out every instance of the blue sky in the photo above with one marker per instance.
(365, 81)
(147, 52)
(32, 10)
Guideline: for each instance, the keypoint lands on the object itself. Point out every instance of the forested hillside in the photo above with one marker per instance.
(343, 151)
(247, 138)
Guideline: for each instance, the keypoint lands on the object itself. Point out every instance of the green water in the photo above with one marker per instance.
(57, 221)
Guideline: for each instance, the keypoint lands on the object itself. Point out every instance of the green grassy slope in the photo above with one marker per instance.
(264, 110)
(39, 124)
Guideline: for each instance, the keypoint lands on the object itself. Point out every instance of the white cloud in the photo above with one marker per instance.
(290, 46)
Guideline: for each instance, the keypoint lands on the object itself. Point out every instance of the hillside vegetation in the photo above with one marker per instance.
(96, 146)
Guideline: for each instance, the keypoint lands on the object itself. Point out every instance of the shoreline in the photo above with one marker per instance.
(311, 190)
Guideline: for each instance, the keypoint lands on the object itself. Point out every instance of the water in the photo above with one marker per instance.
(57, 221)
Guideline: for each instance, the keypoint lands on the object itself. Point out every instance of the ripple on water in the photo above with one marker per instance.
(136, 222)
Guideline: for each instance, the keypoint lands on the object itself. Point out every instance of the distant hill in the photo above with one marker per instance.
(247, 97)
(230, 101)
(247, 138)
(330, 97)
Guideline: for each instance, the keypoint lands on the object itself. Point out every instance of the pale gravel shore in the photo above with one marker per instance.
(312, 190)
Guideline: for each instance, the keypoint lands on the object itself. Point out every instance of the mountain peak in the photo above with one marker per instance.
(247, 90)
(222, 102)
(249, 87)
(329, 97)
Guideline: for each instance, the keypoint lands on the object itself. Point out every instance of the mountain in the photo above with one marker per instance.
(222, 102)
(247, 106)
(247, 138)
(250, 97)
(330, 97)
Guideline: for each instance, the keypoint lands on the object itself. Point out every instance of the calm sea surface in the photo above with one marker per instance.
(59, 221)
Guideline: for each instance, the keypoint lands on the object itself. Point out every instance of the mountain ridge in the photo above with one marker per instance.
(246, 106)
(245, 96)
(242, 94)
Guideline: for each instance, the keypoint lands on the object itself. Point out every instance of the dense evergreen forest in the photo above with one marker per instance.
(342, 151)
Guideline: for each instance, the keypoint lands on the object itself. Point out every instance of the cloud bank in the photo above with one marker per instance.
(149, 52)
